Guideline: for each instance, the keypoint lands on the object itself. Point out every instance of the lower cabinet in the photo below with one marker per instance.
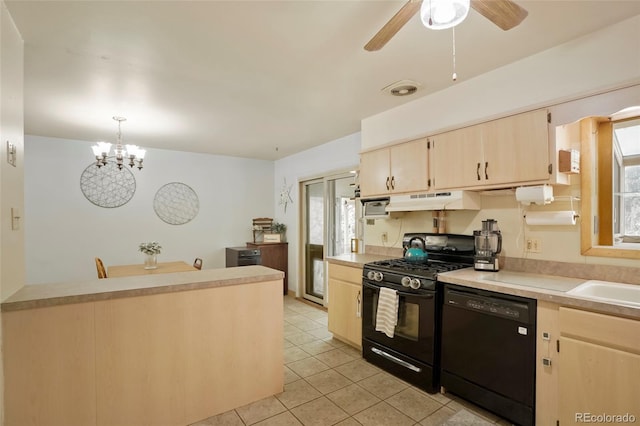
(547, 363)
(599, 368)
(345, 303)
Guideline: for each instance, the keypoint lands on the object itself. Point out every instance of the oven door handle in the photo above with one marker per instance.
(400, 293)
(395, 359)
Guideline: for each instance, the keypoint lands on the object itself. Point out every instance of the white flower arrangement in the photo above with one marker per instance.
(150, 248)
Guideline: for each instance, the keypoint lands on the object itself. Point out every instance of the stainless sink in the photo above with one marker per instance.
(622, 294)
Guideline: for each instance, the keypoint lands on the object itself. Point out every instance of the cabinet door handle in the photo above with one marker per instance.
(359, 304)
(387, 184)
(478, 171)
(486, 166)
(393, 182)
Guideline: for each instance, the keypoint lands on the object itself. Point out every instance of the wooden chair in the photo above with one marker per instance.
(102, 273)
(197, 263)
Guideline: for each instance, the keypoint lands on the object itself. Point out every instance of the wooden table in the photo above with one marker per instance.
(138, 269)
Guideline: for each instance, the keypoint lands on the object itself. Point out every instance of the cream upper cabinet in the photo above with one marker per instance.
(400, 168)
(345, 303)
(374, 173)
(510, 150)
(456, 158)
(599, 367)
(516, 148)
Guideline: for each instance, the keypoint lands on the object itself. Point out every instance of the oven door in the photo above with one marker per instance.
(415, 334)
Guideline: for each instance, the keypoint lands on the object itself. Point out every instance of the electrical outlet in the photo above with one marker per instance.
(534, 246)
(384, 237)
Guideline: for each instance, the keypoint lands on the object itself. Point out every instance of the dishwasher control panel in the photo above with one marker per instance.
(492, 305)
(495, 308)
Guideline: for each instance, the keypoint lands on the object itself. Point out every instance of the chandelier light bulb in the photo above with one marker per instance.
(132, 150)
(104, 147)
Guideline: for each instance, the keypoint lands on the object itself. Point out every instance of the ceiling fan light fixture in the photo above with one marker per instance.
(442, 14)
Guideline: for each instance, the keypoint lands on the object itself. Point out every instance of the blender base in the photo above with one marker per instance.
(486, 265)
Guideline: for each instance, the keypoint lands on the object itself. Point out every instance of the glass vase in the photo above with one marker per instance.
(150, 261)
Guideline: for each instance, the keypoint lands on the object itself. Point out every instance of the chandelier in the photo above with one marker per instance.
(133, 153)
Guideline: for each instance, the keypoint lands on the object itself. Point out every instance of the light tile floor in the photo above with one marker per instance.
(329, 383)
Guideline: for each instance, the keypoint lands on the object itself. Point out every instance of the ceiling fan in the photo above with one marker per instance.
(504, 13)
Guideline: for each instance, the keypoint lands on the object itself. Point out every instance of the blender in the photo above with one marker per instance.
(488, 242)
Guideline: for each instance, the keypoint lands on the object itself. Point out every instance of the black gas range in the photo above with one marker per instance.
(412, 352)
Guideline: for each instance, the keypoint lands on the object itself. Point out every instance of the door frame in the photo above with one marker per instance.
(324, 177)
(303, 234)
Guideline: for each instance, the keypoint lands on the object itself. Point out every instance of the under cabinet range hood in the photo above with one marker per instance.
(452, 200)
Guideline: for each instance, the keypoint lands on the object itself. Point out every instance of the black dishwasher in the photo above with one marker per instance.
(489, 349)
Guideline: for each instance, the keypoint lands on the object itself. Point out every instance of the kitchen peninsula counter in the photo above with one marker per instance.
(170, 349)
(42, 295)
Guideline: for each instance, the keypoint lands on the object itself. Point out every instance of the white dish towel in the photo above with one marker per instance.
(387, 312)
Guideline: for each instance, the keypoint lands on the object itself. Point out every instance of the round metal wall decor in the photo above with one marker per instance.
(107, 186)
(176, 203)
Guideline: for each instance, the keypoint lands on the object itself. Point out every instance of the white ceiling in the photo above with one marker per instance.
(260, 79)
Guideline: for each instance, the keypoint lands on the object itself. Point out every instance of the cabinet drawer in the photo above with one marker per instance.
(345, 273)
(608, 330)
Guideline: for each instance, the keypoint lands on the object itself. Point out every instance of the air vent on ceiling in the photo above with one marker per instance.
(402, 88)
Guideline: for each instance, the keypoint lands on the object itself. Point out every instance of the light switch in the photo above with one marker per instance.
(15, 219)
(11, 154)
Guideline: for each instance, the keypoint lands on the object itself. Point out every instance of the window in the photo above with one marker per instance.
(626, 180)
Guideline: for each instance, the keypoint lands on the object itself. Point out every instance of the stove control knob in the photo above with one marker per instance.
(415, 283)
(371, 275)
(405, 281)
(377, 276)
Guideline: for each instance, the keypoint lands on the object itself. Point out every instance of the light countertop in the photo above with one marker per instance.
(355, 259)
(550, 288)
(43, 295)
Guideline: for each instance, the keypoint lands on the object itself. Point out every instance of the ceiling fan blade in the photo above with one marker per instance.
(504, 13)
(389, 29)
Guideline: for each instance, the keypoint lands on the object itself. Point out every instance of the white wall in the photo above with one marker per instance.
(64, 231)
(12, 262)
(338, 155)
(12, 259)
(600, 60)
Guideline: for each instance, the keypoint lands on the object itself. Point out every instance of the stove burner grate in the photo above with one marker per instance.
(401, 267)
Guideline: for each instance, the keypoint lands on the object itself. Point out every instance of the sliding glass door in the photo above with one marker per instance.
(342, 214)
(314, 240)
(329, 223)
